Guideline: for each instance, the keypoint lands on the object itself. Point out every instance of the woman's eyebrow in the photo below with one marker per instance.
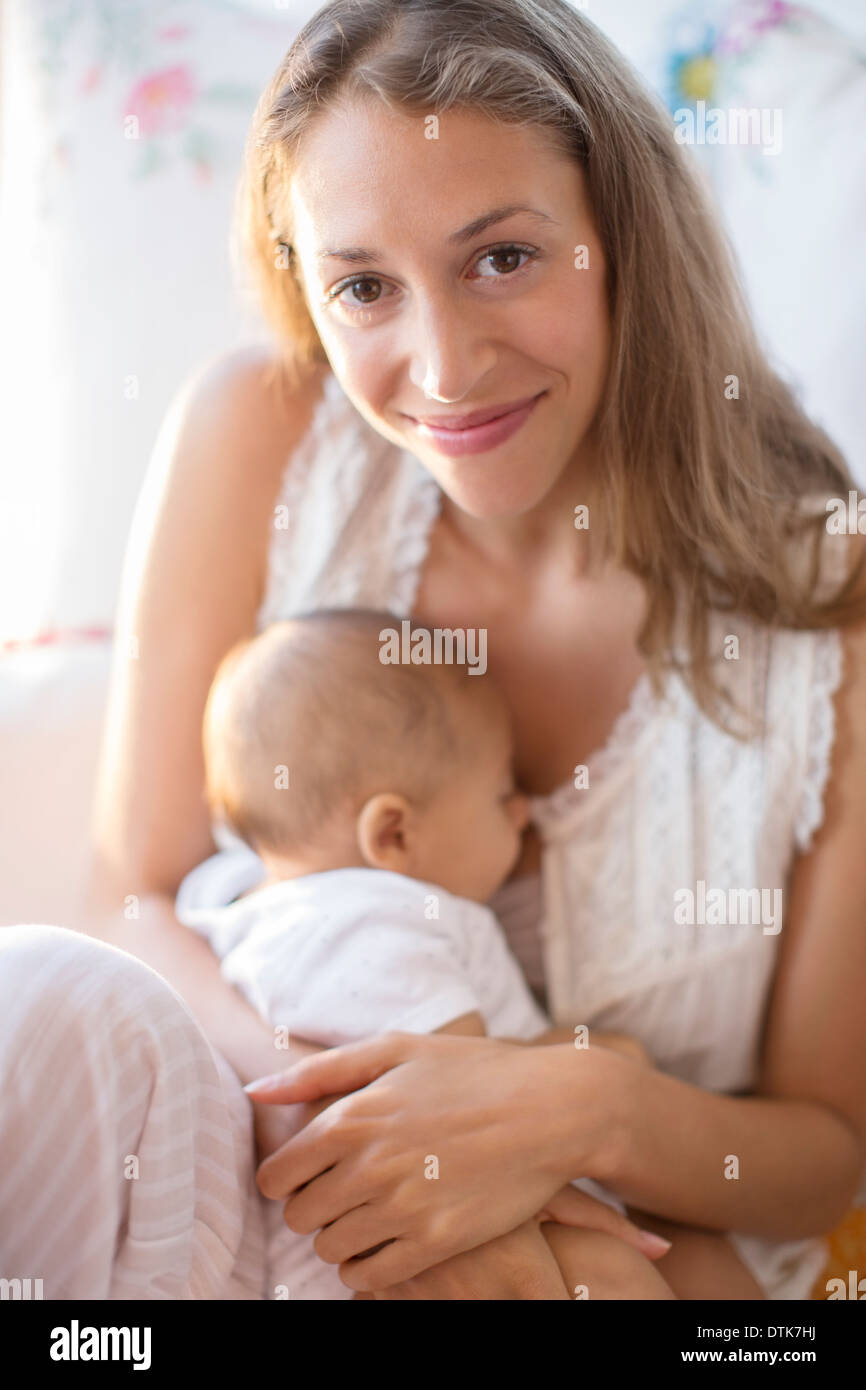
(360, 255)
(489, 219)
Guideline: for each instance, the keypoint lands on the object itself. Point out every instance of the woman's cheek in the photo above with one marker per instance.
(577, 311)
(359, 360)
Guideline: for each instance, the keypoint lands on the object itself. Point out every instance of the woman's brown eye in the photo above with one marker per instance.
(359, 289)
(509, 254)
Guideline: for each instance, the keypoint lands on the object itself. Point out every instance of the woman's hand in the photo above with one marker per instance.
(275, 1125)
(450, 1143)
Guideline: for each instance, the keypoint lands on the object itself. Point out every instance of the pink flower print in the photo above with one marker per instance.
(750, 20)
(773, 12)
(161, 100)
(173, 31)
(92, 78)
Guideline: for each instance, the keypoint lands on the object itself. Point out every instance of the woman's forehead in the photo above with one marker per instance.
(362, 165)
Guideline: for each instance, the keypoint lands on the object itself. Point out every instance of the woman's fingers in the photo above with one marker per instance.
(571, 1207)
(349, 1238)
(397, 1261)
(302, 1159)
(337, 1069)
(324, 1200)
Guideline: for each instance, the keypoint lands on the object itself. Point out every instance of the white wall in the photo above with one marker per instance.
(112, 278)
(115, 279)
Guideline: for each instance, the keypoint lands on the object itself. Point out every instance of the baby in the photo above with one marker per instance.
(379, 800)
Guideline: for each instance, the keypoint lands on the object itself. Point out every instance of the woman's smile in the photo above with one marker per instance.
(449, 435)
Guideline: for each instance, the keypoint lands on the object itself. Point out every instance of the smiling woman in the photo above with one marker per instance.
(500, 297)
(573, 344)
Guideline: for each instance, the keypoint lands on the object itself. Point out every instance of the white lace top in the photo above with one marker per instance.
(671, 802)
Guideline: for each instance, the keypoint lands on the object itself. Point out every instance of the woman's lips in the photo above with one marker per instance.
(477, 439)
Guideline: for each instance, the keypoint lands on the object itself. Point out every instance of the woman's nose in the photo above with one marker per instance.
(448, 357)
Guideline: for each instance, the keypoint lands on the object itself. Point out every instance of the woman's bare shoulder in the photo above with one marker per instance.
(194, 576)
(247, 404)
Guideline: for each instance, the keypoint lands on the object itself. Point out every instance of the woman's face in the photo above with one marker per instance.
(445, 279)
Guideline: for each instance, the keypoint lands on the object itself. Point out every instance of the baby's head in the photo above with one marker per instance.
(320, 756)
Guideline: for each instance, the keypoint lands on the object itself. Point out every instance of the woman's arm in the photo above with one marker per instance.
(193, 579)
(801, 1140)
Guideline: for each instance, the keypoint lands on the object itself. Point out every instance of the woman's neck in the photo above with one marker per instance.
(551, 536)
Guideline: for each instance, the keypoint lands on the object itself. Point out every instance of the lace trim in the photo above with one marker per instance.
(292, 484)
(421, 506)
(820, 734)
(628, 729)
(425, 504)
(337, 425)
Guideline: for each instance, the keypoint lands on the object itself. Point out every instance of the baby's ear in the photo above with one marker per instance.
(383, 830)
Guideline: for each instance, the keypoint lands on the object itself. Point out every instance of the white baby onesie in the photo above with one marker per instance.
(338, 956)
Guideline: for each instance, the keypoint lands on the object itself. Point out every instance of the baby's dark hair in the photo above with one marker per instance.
(304, 722)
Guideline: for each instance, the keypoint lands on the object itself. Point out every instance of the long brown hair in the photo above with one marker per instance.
(701, 496)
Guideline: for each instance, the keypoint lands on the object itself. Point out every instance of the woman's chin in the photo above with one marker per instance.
(501, 485)
(494, 500)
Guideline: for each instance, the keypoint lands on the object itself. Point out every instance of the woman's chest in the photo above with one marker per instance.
(658, 905)
(562, 649)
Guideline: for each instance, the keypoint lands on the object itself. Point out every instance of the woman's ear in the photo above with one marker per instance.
(384, 829)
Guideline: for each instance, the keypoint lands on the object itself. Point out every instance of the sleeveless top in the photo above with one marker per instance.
(672, 812)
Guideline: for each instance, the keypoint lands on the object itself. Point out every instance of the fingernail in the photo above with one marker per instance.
(263, 1083)
(655, 1245)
